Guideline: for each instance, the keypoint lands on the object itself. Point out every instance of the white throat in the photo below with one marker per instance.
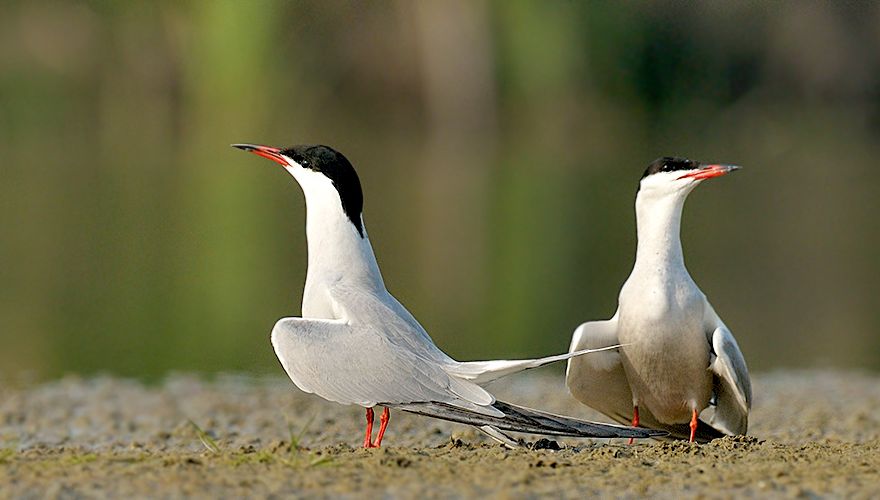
(337, 253)
(658, 224)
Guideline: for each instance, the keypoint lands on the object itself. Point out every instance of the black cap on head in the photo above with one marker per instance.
(338, 169)
(670, 164)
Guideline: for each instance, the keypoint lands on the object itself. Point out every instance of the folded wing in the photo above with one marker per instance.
(598, 380)
(731, 383)
(353, 364)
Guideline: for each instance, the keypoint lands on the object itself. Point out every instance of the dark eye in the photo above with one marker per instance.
(301, 160)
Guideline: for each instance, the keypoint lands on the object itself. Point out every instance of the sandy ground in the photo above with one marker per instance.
(813, 434)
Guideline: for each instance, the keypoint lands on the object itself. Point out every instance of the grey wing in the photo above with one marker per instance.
(379, 307)
(731, 383)
(402, 329)
(598, 379)
(352, 365)
(356, 364)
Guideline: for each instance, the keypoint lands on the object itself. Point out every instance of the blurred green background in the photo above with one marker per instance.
(499, 145)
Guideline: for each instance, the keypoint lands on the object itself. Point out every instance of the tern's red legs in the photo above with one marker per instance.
(635, 420)
(369, 435)
(383, 423)
(693, 425)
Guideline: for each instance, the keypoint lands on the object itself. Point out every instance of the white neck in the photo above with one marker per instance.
(336, 251)
(658, 223)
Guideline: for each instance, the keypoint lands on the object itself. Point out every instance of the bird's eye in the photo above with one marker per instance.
(303, 162)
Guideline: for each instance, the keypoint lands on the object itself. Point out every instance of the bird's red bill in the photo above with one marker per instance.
(267, 152)
(708, 172)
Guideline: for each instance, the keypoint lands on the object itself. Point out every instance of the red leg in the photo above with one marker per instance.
(693, 425)
(383, 423)
(369, 429)
(635, 420)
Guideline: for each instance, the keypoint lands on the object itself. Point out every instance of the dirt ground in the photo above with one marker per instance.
(813, 434)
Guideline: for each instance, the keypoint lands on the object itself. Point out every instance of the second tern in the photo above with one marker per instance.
(677, 356)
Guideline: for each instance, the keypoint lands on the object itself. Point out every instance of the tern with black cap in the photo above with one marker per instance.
(677, 356)
(356, 344)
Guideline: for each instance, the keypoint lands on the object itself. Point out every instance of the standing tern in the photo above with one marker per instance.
(677, 356)
(356, 344)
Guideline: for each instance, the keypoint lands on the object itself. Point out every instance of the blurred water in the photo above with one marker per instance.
(499, 145)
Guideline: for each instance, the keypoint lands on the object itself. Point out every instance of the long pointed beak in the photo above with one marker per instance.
(268, 152)
(710, 171)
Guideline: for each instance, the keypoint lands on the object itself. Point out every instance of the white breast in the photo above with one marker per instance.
(667, 355)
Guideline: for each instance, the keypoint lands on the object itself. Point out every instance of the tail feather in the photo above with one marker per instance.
(481, 372)
(527, 420)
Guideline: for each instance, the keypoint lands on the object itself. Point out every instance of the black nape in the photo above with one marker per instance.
(339, 170)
